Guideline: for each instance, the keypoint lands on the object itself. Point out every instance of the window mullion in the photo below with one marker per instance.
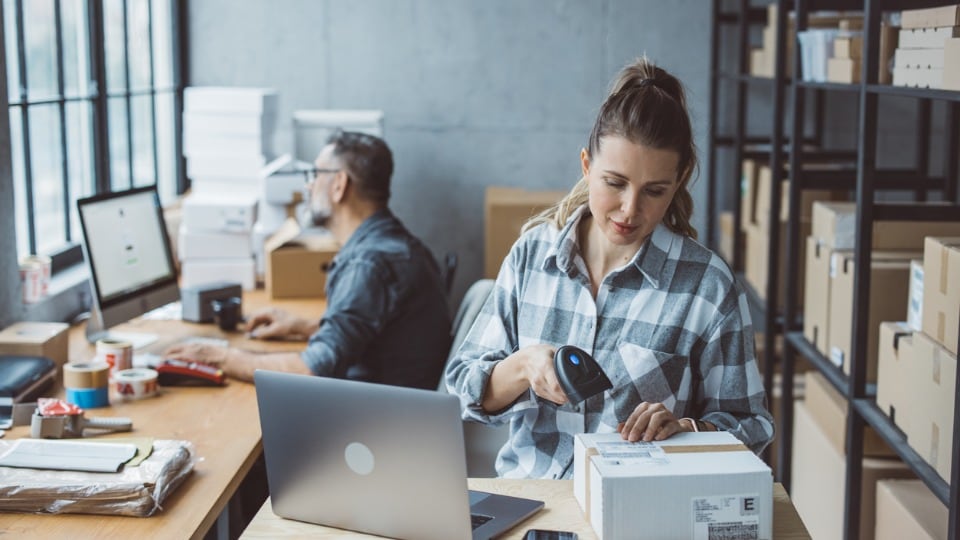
(101, 131)
(180, 59)
(129, 99)
(25, 123)
(61, 92)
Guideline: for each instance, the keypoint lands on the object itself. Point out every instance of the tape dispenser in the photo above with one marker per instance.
(57, 419)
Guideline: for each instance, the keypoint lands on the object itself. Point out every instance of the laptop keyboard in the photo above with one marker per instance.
(477, 520)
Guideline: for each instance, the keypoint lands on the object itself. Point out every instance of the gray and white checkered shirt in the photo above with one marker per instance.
(670, 326)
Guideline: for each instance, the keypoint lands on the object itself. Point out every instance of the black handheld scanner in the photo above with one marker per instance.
(579, 374)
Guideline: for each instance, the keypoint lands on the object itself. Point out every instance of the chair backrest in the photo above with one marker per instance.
(467, 312)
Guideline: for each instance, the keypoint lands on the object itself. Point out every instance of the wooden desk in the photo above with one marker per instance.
(561, 512)
(222, 423)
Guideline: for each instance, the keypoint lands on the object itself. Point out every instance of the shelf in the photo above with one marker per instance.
(921, 93)
(880, 422)
(838, 379)
(833, 86)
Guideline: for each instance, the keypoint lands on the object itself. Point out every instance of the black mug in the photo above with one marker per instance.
(226, 312)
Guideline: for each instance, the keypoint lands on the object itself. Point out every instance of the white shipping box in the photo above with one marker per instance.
(246, 167)
(915, 295)
(927, 38)
(229, 99)
(212, 245)
(918, 58)
(202, 271)
(689, 486)
(225, 212)
(918, 77)
(227, 123)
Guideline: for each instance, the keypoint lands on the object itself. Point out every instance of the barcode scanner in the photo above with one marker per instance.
(579, 374)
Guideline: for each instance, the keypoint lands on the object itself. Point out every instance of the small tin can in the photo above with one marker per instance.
(35, 278)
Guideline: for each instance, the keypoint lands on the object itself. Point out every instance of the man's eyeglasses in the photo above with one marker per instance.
(309, 175)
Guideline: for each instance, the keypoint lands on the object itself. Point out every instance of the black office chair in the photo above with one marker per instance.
(448, 270)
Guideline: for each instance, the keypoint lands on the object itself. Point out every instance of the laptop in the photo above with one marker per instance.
(374, 458)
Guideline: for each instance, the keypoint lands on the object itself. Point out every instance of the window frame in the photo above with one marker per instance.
(96, 94)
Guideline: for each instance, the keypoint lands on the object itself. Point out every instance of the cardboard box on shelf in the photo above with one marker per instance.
(505, 212)
(915, 296)
(934, 384)
(918, 58)
(895, 358)
(819, 479)
(918, 77)
(829, 410)
(761, 63)
(951, 64)
(941, 290)
(848, 46)
(843, 70)
(674, 488)
(297, 262)
(908, 509)
(931, 17)
(47, 339)
(757, 254)
(927, 38)
(834, 223)
(807, 199)
(816, 290)
(889, 273)
(748, 193)
(888, 44)
(727, 232)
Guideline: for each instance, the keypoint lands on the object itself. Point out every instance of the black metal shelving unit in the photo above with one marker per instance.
(864, 179)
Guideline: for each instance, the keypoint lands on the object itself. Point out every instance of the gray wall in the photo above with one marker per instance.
(475, 93)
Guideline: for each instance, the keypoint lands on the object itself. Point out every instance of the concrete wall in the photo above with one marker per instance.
(10, 306)
(475, 93)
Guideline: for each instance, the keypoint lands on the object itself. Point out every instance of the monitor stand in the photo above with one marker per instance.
(96, 332)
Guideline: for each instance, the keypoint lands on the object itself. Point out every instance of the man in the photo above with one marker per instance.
(387, 319)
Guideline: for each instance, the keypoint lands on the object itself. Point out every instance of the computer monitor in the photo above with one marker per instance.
(128, 254)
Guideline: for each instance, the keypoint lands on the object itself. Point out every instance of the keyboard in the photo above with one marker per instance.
(477, 520)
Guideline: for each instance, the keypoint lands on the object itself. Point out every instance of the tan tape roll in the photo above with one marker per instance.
(136, 383)
(86, 375)
(117, 353)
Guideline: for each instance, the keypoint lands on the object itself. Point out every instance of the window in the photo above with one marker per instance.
(93, 91)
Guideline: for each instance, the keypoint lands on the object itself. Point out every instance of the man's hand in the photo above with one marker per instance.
(274, 323)
(204, 353)
(651, 422)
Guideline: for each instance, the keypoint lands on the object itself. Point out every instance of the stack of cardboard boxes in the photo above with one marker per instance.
(228, 144)
(505, 211)
(843, 66)
(921, 58)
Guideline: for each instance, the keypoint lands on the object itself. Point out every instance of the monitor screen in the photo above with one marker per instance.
(128, 254)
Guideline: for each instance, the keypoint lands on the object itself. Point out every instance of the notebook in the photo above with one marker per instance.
(374, 458)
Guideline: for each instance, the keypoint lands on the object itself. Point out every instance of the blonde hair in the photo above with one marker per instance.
(647, 106)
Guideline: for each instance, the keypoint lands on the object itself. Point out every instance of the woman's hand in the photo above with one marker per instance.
(539, 371)
(651, 422)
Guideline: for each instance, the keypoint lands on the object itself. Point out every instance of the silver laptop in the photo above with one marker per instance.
(374, 458)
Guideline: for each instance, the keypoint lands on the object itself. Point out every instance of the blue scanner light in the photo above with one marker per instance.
(575, 359)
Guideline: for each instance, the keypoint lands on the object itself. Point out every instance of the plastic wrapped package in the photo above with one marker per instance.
(134, 491)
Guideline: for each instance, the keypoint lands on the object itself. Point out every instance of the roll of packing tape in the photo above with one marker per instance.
(117, 353)
(89, 398)
(136, 383)
(86, 375)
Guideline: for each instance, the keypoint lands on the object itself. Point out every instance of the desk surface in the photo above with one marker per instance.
(560, 513)
(222, 424)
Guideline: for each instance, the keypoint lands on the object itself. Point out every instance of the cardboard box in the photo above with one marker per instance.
(931, 17)
(889, 274)
(829, 410)
(807, 198)
(47, 339)
(727, 232)
(908, 509)
(761, 63)
(225, 212)
(951, 64)
(297, 262)
(505, 212)
(671, 489)
(933, 383)
(927, 38)
(757, 254)
(918, 77)
(918, 58)
(834, 223)
(213, 245)
(843, 70)
(848, 47)
(941, 290)
(818, 483)
(915, 295)
(203, 271)
(748, 193)
(816, 290)
(888, 44)
(895, 358)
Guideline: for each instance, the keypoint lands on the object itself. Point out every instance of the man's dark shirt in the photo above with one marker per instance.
(387, 319)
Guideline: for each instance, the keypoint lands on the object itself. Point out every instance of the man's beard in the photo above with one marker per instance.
(320, 211)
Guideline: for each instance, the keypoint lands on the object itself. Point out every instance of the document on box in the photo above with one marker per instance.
(628, 453)
(726, 517)
(68, 455)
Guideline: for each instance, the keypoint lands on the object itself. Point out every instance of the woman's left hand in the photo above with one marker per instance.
(650, 422)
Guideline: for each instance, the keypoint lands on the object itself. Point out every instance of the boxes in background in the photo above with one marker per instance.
(927, 38)
(941, 290)
(807, 199)
(889, 274)
(297, 262)
(908, 509)
(819, 479)
(834, 223)
(848, 47)
(727, 232)
(843, 70)
(932, 383)
(748, 193)
(895, 357)
(951, 64)
(757, 254)
(212, 244)
(816, 290)
(915, 295)
(203, 271)
(931, 17)
(233, 212)
(47, 339)
(505, 212)
(917, 77)
(675, 488)
(828, 408)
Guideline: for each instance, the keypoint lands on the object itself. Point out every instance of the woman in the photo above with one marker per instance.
(615, 269)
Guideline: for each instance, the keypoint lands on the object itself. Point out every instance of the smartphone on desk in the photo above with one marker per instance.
(543, 534)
